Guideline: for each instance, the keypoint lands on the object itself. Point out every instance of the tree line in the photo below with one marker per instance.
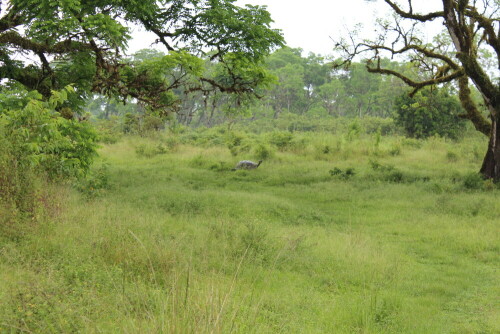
(308, 86)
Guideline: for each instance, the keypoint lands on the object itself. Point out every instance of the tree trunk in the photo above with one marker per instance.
(491, 163)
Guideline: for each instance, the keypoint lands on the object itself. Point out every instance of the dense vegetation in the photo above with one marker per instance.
(306, 88)
(347, 233)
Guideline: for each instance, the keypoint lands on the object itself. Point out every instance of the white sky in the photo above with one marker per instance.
(310, 24)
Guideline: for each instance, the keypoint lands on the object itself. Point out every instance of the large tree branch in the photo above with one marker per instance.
(10, 20)
(411, 15)
(16, 40)
(493, 37)
(418, 48)
(462, 36)
(417, 85)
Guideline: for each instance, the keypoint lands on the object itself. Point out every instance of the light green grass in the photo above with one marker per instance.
(181, 244)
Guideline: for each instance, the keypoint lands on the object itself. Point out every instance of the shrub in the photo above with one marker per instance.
(41, 138)
(131, 123)
(152, 123)
(94, 183)
(335, 171)
(389, 173)
(473, 181)
(262, 152)
(384, 126)
(237, 143)
(38, 144)
(280, 139)
(354, 130)
(171, 143)
(430, 112)
(412, 142)
(109, 130)
(200, 161)
(298, 144)
(18, 184)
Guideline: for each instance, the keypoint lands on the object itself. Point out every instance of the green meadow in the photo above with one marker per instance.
(357, 233)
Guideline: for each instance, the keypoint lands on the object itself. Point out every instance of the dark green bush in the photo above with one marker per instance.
(473, 181)
(347, 174)
(430, 112)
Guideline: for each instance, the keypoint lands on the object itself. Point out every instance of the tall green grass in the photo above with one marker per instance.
(176, 242)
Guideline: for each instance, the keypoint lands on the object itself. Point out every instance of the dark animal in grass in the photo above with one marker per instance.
(247, 164)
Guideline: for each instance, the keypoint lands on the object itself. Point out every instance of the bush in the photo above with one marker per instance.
(395, 150)
(171, 143)
(473, 181)
(131, 123)
(262, 152)
(237, 143)
(39, 137)
(18, 183)
(152, 123)
(38, 144)
(384, 126)
(94, 182)
(412, 142)
(220, 166)
(203, 162)
(430, 112)
(280, 139)
(354, 130)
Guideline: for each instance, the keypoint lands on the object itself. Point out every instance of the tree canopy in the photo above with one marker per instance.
(472, 35)
(46, 45)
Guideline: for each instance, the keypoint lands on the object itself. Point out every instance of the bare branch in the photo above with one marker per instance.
(411, 15)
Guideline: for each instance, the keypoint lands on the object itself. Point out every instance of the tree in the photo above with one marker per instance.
(429, 112)
(83, 42)
(289, 94)
(472, 31)
(361, 88)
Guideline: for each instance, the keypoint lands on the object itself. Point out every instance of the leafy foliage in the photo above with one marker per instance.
(430, 112)
(41, 138)
(82, 43)
(37, 142)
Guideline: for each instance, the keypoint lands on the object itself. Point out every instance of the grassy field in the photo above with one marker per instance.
(329, 235)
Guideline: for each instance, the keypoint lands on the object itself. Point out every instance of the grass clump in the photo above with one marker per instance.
(473, 181)
(343, 174)
(148, 150)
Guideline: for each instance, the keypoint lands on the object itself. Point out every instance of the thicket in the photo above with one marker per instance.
(37, 145)
(430, 112)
